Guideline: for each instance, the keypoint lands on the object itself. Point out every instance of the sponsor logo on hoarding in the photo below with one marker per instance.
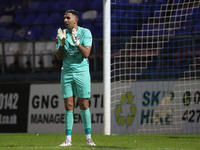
(125, 111)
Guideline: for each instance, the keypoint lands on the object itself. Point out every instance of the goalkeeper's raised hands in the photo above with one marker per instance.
(74, 37)
(62, 36)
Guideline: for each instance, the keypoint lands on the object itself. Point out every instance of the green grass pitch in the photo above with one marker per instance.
(50, 141)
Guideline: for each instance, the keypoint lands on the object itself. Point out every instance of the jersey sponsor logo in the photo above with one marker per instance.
(72, 51)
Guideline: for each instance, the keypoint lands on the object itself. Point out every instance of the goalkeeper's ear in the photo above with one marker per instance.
(76, 21)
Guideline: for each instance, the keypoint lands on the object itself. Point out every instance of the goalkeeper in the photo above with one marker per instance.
(73, 46)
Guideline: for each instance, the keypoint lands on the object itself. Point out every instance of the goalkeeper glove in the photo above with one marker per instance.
(62, 36)
(74, 37)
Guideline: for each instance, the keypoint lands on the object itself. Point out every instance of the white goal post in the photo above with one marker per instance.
(106, 66)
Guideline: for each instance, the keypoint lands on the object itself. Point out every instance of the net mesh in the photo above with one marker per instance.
(155, 56)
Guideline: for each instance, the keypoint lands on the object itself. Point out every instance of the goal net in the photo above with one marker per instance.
(155, 66)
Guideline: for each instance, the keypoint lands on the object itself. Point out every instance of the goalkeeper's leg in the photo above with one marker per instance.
(83, 84)
(86, 119)
(69, 120)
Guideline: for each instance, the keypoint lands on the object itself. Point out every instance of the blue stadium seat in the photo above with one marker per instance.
(48, 32)
(41, 18)
(33, 33)
(45, 6)
(28, 20)
(96, 5)
(97, 30)
(6, 34)
(18, 18)
(71, 4)
(93, 28)
(82, 5)
(54, 18)
(2, 29)
(62, 26)
(59, 5)
(88, 26)
(20, 33)
(80, 17)
(33, 7)
(22, 7)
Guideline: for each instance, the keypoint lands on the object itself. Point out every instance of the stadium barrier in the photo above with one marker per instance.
(39, 108)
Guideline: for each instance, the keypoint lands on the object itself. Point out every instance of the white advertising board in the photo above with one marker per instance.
(147, 107)
(157, 107)
(46, 110)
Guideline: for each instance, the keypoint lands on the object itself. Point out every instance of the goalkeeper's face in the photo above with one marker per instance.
(70, 21)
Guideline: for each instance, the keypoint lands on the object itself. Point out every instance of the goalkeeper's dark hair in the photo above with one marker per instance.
(74, 12)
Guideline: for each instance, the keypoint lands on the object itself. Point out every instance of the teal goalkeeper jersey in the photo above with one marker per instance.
(73, 60)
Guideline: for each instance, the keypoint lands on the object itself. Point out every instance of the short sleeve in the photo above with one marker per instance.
(87, 38)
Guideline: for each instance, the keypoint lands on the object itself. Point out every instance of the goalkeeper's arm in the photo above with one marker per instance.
(84, 50)
(62, 37)
(59, 53)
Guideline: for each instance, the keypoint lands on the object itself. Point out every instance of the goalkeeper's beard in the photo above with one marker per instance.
(68, 27)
